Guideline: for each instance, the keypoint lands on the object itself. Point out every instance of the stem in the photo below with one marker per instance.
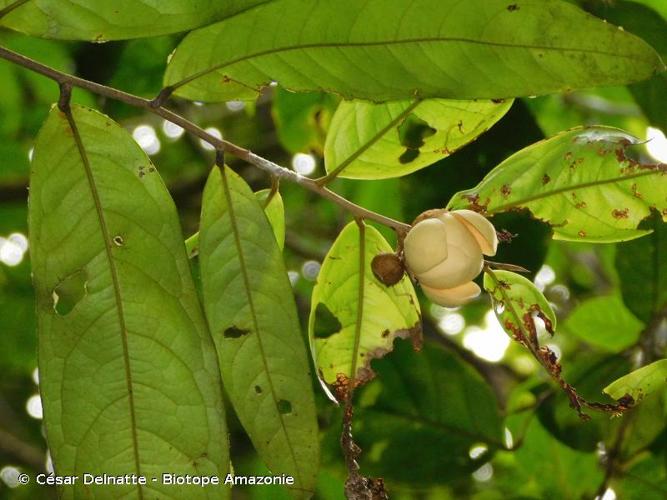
(155, 107)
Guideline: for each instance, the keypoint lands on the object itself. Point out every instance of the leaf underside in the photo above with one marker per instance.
(104, 20)
(379, 141)
(582, 182)
(385, 50)
(252, 316)
(129, 378)
(640, 383)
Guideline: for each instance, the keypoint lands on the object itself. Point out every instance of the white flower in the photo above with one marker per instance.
(444, 252)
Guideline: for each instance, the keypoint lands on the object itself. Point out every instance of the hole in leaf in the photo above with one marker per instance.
(69, 292)
(234, 333)
(326, 323)
(284, 407)
(412, 132)
(408, 156)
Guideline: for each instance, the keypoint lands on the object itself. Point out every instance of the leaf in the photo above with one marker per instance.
(419, 405)
(385, 50)
(645, 479)
(302, 120)
(657, 5)
(606, 323)
(645, 21)
(582, 182)
(101, 20)
(641, 382)
(367, 315)
(558, 470)
(642, 268)
(378, 141)
(252, 315)
(517, 301)
(128, 373)
(273, 206)
(588, 372)
(275, 213)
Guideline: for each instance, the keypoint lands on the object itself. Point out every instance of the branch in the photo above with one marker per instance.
(23, 453)
(155, 107)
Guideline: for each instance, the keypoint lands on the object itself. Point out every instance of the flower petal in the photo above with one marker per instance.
(481, 229)
(425, 246)
(462, 264)
(452, 297)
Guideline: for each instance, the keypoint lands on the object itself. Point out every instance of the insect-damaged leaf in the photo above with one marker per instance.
(385, 50)
(102, 20)
(517, 299)
(252, 315)
(583, 182)
(377, 141)
(519, 305)
(128, 370)
(367, 314)
(640, 383)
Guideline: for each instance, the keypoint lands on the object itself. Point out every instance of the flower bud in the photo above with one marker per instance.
(387, 268)
(444, 252)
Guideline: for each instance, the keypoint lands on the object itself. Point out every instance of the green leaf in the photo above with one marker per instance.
(274, 210)
(605, 322)
(420, 405)
(587, 371)
(642, 268)
(128, 373)
(641, 382)
(645, 479)
(385, 50)
(102, 20)
(377, 141)
(302, 119)
(354, 318)
(252, 315)
(517, 301)
(582, 182)
(657, 5)
(644, 20)
(558, 470)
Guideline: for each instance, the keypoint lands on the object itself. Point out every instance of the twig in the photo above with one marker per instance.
(155, 107)
(23, 453)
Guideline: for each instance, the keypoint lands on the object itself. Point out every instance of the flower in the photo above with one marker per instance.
(444, 252)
